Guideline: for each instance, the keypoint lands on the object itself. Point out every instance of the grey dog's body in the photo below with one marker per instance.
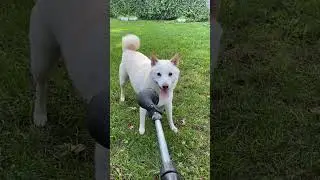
(75, 30)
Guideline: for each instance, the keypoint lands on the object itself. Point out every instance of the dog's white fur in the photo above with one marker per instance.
(148, 73)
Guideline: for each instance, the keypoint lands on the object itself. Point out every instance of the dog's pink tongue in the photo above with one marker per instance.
(164, 93)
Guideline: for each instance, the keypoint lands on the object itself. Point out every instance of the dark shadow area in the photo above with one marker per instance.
(28, 152)
(266, 91)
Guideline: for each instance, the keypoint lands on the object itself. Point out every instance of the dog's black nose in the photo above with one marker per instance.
(165, 87)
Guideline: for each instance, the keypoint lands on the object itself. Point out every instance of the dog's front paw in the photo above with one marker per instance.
(40, 119)
(122, 96)
(141, 131)
(174, 129)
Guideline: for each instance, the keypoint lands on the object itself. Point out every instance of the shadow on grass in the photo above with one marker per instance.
(264, 87)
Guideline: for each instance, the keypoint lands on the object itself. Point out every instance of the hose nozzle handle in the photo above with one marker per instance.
(148, 99)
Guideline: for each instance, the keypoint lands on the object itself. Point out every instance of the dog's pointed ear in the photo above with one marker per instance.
(154, 59)
(175, 59)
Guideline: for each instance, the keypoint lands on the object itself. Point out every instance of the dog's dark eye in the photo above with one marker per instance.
(159, 74)
(170, 74)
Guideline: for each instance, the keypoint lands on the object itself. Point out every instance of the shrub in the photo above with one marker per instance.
(195, 10)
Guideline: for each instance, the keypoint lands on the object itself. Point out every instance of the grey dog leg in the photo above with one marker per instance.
(40, 105)
(101, 162)
(44, 52)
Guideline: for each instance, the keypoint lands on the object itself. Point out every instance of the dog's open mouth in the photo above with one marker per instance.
(164, 91)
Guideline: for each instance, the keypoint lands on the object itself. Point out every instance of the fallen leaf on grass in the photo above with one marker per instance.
(183, 121)
(133, 108)
(315, 110)
(67, 148)
(130, 126)
(77, 148)
(118, 170)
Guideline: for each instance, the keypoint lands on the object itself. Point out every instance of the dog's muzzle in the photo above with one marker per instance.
(98, 118)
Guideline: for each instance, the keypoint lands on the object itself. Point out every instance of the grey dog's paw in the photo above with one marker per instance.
(40, 119)
(174, 129)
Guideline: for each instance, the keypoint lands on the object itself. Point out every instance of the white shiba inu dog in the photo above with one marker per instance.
(160, 75)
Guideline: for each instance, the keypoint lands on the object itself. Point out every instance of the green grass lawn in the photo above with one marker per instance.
(137, 157)
(267, 91)
(27, 152)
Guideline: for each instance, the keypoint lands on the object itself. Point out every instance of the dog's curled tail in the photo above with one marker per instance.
(131, 42)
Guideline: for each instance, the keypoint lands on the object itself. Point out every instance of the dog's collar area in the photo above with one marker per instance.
(98, 118)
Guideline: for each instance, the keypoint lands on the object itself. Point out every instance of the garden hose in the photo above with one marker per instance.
(148, 99)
